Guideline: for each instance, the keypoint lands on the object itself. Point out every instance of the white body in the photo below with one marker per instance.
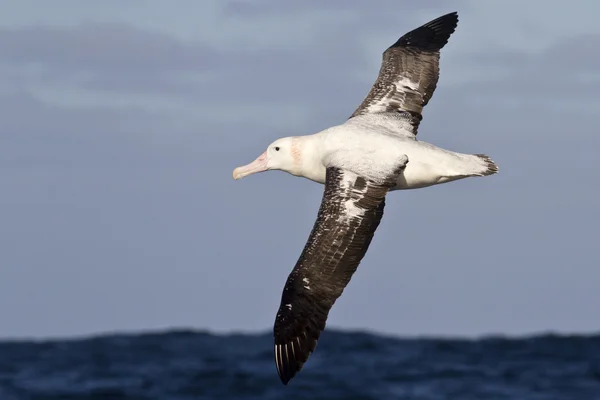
(371, 145)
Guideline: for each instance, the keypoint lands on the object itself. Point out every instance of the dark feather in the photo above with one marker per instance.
(409, 73)
(338, 241)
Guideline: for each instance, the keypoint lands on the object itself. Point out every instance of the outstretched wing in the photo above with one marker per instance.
(350, 212)
(409, 72)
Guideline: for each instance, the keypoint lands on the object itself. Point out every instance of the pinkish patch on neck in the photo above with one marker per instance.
(296, 151)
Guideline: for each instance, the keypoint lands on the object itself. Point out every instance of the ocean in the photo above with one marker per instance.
(186, 365)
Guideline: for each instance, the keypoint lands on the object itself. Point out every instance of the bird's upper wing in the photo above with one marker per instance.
(409, 73)
(349, 214)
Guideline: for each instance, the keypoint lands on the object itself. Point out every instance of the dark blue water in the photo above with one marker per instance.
(195, 365)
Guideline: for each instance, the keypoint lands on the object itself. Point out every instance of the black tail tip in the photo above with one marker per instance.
(492, 168)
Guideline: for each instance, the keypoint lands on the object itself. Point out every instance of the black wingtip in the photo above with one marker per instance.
(287, 364)
(290, 355)
(431, 36)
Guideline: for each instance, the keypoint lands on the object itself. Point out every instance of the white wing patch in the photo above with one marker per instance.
(349, 206)
(352, 210)
(393, 93)
(407, 83)
(307, 283)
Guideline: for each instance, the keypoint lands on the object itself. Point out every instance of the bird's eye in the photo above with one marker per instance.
(277, 148)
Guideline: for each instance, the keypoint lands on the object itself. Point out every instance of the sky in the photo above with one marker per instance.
(121, 122)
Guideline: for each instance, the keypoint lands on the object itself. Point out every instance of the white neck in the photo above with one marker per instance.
(310, 163)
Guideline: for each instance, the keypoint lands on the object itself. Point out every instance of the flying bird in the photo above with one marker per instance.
(374, 151)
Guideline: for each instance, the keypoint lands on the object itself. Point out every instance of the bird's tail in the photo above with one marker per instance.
(486, 165)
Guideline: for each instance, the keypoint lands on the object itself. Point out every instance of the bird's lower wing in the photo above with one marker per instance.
(349, 214)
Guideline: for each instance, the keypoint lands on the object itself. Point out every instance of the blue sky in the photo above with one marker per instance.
(121, 121)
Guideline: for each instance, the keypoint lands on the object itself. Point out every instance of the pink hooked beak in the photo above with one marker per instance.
(258, 165)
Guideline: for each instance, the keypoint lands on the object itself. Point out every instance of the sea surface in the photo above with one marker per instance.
(186, 365)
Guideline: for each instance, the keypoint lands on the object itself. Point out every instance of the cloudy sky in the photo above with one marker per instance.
(121, 121)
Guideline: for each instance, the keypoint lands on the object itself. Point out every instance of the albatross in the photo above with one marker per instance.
(373, 152)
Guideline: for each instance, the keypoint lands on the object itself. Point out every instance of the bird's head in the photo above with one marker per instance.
(283, 154)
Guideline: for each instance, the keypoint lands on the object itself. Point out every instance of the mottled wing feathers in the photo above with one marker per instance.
(409, 72)
(349, 214)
